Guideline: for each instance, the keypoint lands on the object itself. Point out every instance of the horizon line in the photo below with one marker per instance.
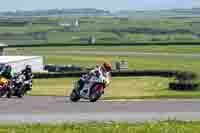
(24, 10)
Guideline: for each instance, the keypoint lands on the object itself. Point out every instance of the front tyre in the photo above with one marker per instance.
(9, 94)
(21, 92)
(74, 97)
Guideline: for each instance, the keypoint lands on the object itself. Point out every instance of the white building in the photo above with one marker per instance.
(76, 23)
(2, 46)
(64, 24)
(19, 62)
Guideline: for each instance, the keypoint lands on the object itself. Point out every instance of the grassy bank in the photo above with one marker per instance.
(120, 88)
(170, 126)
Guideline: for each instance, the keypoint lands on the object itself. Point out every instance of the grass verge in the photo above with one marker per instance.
(169, 126)
(120, 88)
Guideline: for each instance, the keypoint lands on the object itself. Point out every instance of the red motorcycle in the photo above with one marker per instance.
(92, 89)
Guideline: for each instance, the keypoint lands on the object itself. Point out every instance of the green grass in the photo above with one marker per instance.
(134, 63)
(42, 28)
(97, 23)
(20, 29)
(120, 88)
(168, 37)
(112, 37)
(25, 42)
(27, 29)
(74, 37)
(169, 126)
(141, 87)
(102, 28)
(152, 48)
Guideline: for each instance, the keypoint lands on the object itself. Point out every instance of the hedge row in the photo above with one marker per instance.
(57, 75)
(179, 75)
(183, 86)
(108, 44)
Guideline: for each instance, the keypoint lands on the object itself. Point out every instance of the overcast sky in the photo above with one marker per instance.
(112, 5)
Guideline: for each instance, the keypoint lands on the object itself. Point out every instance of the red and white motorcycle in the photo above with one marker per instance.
(91, 90)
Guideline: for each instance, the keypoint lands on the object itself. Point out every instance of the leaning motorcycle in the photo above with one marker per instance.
(17, 86)
(92, 90)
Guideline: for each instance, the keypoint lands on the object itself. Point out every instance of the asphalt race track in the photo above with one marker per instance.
(60, 109)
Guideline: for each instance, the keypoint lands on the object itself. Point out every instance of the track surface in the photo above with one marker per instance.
(60, 109)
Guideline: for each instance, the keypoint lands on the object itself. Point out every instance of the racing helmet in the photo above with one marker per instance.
(28, 68)
(107, 66)
(8, 68)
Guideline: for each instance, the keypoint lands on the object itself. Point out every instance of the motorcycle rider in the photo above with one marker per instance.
(5, 74)
(28, 75)
(104, 70)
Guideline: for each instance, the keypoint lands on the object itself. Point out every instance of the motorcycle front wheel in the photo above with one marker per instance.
(21, 92)
(10, 93)
(74, 97)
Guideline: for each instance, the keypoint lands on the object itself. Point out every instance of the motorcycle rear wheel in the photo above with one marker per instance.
(94, 95)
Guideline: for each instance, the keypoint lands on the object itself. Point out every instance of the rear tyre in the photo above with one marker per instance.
(1, 93)
(95, 95)
(19, 96)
